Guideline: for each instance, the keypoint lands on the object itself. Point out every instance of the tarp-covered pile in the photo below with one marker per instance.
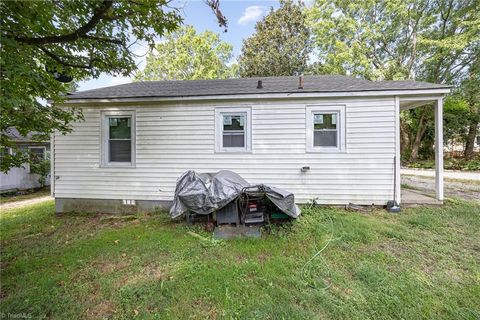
(204, 193)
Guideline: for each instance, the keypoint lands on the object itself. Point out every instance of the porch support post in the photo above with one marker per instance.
(397, 187)
(439, 148)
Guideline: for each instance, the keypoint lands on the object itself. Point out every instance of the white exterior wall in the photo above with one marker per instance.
(171, 139)
(19, 178)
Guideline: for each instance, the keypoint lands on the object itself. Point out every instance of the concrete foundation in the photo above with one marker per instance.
(108, 205)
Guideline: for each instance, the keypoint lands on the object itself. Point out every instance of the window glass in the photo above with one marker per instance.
(4, 151)
(120, 151)
(120, 128)
(325, 130)
(325, 138)
(233, 122)
(119, 139)
(37, 155)
(233, 131)
(325, 121)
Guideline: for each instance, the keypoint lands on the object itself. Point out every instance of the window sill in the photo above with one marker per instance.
(116, 166)
(326, 150)
(233, 151)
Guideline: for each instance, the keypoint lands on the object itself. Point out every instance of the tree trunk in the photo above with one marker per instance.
(404, 138)
(422, 127)
(472, 134)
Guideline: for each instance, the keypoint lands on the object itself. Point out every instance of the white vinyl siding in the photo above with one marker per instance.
(171, 139)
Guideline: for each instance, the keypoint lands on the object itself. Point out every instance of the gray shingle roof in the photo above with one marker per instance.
(14, 135)
(191, 88)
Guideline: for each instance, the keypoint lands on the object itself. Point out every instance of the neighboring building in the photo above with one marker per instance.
(22, 178)
(334, 139)
(454, 146)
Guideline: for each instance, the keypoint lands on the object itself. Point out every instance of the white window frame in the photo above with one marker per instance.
(232, 111)
(341, 128)
(105, 129)
(36, 147)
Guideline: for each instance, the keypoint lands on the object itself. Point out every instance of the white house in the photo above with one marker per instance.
(23, 178)
(334, 139)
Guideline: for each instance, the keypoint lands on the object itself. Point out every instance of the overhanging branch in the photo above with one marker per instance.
(65, 63)
(75, 35)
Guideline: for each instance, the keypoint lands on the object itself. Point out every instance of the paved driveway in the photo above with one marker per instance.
(449, 174)
(457, 184)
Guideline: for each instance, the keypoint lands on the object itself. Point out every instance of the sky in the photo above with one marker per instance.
(241, 15)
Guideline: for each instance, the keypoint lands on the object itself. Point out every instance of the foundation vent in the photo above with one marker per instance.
(128, 202)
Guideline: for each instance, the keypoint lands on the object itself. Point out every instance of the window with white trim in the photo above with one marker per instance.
(118, 131)
(232, 129)
(325, 128)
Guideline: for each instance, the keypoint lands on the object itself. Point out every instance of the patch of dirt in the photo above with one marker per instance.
(23, 203)
(85, 226)
(156, 273)
(103, 309)
(109, 267)
(3, 294)
(393, 247)
(152, 272)
(204, 309)
(263, 257)
(241, 259)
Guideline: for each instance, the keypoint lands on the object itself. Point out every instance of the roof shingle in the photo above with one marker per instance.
(191, 88)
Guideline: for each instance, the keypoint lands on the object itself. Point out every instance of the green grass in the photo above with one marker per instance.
(422, 263)
(449, 164)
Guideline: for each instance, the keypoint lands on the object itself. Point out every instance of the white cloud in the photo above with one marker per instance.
(251, 13)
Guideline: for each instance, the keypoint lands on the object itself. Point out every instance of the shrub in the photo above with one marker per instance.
(42, 168)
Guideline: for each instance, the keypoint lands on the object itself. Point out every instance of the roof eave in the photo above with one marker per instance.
(300, 95)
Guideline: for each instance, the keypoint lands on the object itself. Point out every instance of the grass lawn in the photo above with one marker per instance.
(423, 263)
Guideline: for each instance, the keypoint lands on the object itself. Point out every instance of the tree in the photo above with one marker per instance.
(41, 167)
(280, 45)
(46, 43)
(470, 92)
(186, 55)
(431, 40)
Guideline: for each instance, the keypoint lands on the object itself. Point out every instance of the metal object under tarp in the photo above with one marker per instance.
(204, 193)
(227, 232)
